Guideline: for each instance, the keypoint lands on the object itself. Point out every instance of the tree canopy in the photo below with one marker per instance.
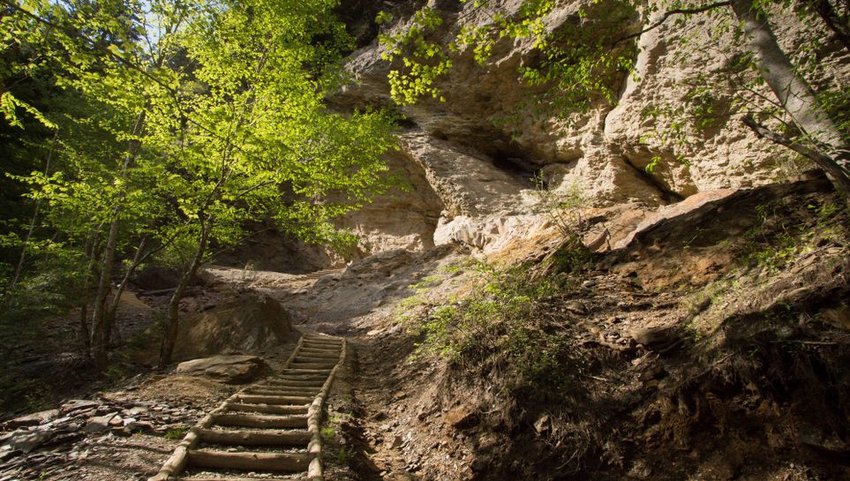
(174, 124)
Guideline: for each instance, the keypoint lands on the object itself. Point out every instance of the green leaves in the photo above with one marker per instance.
(187, 117)
(424, 61)
(581, 61)
(9, 105)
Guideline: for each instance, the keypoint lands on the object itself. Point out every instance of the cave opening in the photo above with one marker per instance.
(517, 167)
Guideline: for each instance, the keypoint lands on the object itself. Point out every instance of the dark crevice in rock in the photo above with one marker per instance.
(517, 167)
(359, 19)
(667, 195)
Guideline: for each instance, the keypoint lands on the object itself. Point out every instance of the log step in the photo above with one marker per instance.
(304, 375)
(260, 421)
(313, 365)
(311, 373)
(294, 382)
(261, 391)
(318, 351)
(291, 463)
(321, 345)
(328, 360)
(307, 390)
(267, 408)
(320, 337)
(325, 346)
(236, 478)
(244, 437)
(260, 399)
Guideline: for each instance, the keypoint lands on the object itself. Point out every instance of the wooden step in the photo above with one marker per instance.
(291, 463)
(317, 384)
(318, 355)
(238, 478)
(301, 372)
(320, 337)
(316, 350)
(260, 421)
(266, 408)
(312, 365)
(272, 399)
(308, 390)
(294, 382)
(247, 437)
(321, 344)
(302, 359)
(267, 391)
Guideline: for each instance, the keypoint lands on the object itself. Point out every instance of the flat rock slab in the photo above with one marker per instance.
(235, 369)
(31, 419)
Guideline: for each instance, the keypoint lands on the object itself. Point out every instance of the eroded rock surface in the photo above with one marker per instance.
(249, 323)
(232, 369)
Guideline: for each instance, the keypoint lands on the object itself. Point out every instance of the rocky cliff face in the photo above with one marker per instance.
(470, 159)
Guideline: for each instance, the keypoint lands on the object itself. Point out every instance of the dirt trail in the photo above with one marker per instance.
(270, 428)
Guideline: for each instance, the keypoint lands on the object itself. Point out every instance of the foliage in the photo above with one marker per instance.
(779, 240)
(564, 210)
(176, 123)
(176, 434)
(424, 60)
(581, 62)
(504, 322)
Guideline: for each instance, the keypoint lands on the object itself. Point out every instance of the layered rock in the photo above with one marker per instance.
(490, 114)
(404, 218)
(469, 159)
(250, 323)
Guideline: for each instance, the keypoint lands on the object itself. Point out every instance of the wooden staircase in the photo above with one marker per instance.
(267, 431)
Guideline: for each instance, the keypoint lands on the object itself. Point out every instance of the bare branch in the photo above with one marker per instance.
(825, 162)
(675, 11)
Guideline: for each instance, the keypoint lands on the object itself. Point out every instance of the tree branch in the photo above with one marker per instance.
(827, 163)
(676, 11)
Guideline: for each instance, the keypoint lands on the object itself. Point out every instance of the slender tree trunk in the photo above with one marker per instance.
(99, 321)
(20, 266)
(98, 340)
(795, 95)
(85, 334)
(832, 19)
(111, 312)
(171, 324)
(84, 328)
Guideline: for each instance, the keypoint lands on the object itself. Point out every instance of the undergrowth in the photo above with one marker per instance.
(504, 327)
(780, 237)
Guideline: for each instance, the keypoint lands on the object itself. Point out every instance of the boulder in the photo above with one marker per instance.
(32, 419)
(75, 405)
(250, 323)
(230, 369)
(462, 417)
(99, 424)
(26, 441)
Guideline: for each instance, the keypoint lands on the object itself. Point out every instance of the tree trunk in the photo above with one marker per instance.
(84, 328)
(171, 324)
(116, 300)
(98, 333)
(795, 95)
(20, 267)
(99, 321)
(833, 20)
(91, 273)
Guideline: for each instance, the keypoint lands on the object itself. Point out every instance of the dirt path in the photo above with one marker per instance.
(270, 428)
